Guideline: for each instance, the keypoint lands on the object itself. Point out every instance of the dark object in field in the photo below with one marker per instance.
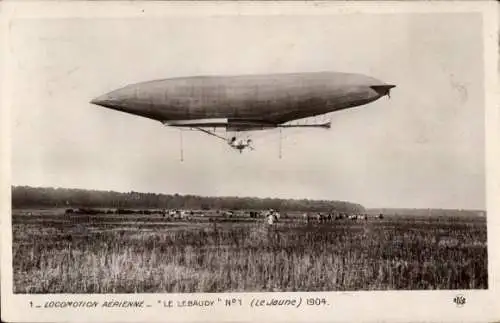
(255, 214)
(83, 211)
(125, 211)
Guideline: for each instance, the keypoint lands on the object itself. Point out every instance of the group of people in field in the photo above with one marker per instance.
(180, 214)
(272, 217)
(332, 216)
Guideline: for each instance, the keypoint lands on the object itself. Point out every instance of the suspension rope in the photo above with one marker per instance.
(280, 145)
(181, 145)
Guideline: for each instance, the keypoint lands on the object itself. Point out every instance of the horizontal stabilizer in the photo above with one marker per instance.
(211, 123)
(383, 90)
(229, 124)
(326, 125)
(238, 124)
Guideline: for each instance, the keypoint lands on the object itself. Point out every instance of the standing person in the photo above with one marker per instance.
(270, 218)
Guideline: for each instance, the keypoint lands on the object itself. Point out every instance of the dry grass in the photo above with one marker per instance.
(57, 254)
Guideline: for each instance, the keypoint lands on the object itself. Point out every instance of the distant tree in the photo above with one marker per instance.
(31, 197)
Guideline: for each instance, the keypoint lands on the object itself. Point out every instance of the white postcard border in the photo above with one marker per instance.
(343, 306)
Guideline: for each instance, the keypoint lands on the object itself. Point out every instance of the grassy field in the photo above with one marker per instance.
(54, 253)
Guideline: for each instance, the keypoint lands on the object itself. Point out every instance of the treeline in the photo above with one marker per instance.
(47, 197)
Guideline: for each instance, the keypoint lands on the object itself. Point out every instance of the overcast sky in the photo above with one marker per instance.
(424, 147)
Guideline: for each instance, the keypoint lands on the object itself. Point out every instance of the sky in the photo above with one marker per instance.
(423, 147)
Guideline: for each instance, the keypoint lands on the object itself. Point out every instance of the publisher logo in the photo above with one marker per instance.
(459, 300)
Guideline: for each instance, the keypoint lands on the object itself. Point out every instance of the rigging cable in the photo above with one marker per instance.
(182, 145)
(280, 147)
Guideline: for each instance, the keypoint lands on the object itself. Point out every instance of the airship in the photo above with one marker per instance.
(240, 104)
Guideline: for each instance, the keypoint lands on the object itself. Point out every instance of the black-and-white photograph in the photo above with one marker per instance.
(250, 153)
